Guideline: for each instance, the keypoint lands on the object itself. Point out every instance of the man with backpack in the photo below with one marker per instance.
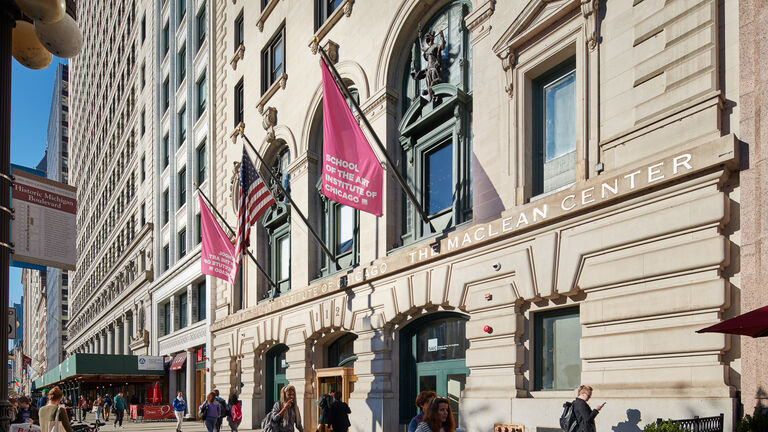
(223, 412)
(577, 415)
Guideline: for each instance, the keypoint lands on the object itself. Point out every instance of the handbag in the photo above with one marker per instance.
(55, 422)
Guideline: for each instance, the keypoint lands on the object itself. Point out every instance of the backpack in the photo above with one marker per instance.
(237, 414)
(568, 422)
(203, 410)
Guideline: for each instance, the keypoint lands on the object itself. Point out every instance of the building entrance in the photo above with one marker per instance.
(275, 379)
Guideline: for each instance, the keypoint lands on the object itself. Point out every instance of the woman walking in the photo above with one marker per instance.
(438, 418)
(235, 410)
(52, 412)
(98, 408)
(285, 414)
(210, 411)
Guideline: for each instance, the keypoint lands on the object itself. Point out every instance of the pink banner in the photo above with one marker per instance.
(352, 174)
(218, 253)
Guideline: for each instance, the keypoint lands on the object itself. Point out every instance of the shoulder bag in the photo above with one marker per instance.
(55, 422)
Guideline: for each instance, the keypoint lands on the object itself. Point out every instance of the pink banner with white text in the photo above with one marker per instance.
(218, 252)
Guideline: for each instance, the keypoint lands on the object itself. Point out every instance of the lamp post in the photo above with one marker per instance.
(50, 21)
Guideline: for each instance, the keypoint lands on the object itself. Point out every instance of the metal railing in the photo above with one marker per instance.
(699, 424)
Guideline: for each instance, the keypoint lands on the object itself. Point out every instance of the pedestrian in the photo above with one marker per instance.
(70, 407)
(52, 412)
(179, 406)
(210, 411)
(223, 413)
(235, 410)
(422, 403)
(338, 414)
(438, 417)
(43, 401)
(26, 413)
(120, 407)
(13, 408)
(107, 407)
(285, 414)
(585, 416)
(83, 405)
(98, 408)
(324, 403)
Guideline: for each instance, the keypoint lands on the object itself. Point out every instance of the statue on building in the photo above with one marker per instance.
(433, 54)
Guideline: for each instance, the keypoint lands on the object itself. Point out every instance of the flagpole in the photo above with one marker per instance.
(400, 179)
(294, 207)
(231, 231)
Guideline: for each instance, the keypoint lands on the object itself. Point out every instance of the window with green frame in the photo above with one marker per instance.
(557, 360)
(436, 136)
(276, 367)
(341, 352)
(278, 229)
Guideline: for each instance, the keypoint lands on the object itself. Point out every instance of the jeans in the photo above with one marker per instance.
(179, 419)
(210, 423)
(234, 425)
(119, 416)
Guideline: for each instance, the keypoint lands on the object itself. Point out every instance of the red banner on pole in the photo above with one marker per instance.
(218, 252)
(352, 174)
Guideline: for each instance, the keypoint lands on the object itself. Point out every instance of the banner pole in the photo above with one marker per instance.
(400, 179)
(232, 232)
(294, 207)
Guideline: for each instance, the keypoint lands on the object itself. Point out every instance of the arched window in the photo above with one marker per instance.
(436, 126)
(275, 375)
(341, 352)
(278, 227)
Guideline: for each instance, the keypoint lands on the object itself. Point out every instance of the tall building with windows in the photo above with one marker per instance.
(57, 169)
(578, 165)
(181, 118)
(34, 289)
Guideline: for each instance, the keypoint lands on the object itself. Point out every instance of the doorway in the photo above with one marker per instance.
(275, 376)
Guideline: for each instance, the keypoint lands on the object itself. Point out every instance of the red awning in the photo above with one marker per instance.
(178, 361)
(753, 324)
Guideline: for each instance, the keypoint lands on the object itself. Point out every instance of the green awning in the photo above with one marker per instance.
(95, 366)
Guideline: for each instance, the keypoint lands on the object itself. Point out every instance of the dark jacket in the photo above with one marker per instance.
(585, 416)
(338, 416)
(32, 414)
(324, 403)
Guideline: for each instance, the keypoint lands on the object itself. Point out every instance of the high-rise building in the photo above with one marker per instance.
(34, 291)
(57, 169)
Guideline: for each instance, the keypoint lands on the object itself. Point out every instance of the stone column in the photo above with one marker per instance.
(100, 342)
(373, 396)
(119, 330)
(110, 341)
(299, 373)
(126, 335)
(190, 382)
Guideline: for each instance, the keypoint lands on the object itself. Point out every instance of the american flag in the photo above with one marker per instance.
(254, 200)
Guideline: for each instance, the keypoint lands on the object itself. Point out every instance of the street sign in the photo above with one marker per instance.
(11, 323)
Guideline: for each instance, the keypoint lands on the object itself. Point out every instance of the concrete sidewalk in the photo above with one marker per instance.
(162, 426)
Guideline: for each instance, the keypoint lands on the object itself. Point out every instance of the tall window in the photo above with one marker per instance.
(438, 141)
(182, 241)
(143, 214)
(201, 161)
(181, 65)
(201, 26)
(166, 150)
(557, 361)
(201, 95)
(554, 128)
(182, 125)
(167, 317)
(143, 28)
(166, 207)
(182, 186)
(183, 311)
(273, 60)
(239, 29)
(182, 6)
(277, 224)
(198, 230)
(143, 75)
(323, 10)
(239, 102)
(201, 301)
(166, 94)
(143, 122)
(166, 38)
(166, 258)
(143, 168)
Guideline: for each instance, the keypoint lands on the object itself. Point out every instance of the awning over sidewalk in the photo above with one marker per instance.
(178, 361)
(97, 367)
(753, 324)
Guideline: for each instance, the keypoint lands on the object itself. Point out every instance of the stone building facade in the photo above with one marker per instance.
(580, 164)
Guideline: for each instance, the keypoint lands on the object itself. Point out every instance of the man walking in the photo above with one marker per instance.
(223, 412)
(43, 401)
(338, 414)
(120, 407)
(179, 406)
(585, 416)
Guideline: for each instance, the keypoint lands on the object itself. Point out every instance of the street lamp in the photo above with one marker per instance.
(30, 30)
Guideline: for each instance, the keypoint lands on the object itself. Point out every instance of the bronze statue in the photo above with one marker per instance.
(433, 54)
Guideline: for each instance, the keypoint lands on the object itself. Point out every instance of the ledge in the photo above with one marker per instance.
(345, 8)
(278, 84)
(239, 54)
(265, 14)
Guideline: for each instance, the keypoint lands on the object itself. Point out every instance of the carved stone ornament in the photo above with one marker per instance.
(269, 118)
(332, 49)
(433, 54)
(589, 11)
(508, 63)
(239, 54)
(238, 130)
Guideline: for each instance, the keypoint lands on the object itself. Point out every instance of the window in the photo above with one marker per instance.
(166, 38)
(181, 65)
(277, 224)
(557, 361)
(166, 258)
(166, 318)
(341, 353)
(182, 186)
(201, 26)
(264, 4)
(143, 122)
(323, 10)
(200, 300)
(438, 181)
(183, 310)
(166, 150)
(143, 168)
(143, 28)
(201, 95)
(143, 75)
(166, 207)
(143, 214)
(273, 60)
(182, 9)
(182, 125)
(182, 240)
(239, 102)
(201, 162)
(198, 230)
(554, 129)
(239, 28)
(166, 94)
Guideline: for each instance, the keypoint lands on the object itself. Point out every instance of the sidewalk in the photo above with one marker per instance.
(162, 426)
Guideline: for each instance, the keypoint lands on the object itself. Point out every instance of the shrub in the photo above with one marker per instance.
(757, 422)
(667, 426)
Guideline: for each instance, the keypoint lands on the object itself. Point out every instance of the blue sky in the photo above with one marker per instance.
(31, 95)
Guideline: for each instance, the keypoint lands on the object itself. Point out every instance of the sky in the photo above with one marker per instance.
(31, 95)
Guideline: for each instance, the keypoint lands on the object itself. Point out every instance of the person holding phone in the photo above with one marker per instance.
(285, 413)
(585, 416)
